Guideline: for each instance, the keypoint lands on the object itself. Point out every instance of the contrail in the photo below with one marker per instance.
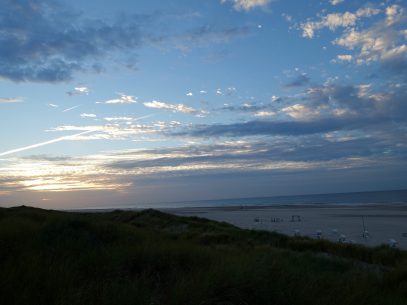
(43, 143)
(72, 108)
(144, 117)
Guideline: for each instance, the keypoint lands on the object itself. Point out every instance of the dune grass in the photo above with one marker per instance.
(148, 257)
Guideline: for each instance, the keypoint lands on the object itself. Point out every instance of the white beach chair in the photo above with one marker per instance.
(296, 218)
(393, 243)
(365, 234)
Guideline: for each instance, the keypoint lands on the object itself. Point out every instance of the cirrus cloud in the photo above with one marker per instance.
(174, 107)
(7, 100)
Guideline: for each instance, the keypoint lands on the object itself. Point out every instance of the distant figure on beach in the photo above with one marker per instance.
(365, 233)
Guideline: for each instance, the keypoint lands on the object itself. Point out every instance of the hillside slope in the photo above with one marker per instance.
(148, 257)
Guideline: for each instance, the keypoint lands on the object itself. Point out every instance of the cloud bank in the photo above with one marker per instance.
(46, 41)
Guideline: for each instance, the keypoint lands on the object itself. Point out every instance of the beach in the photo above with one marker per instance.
(381, 223)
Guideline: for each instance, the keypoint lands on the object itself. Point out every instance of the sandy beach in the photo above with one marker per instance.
(383, 222)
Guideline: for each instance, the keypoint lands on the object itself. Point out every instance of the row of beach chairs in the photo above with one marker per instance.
(294, 218)
(334, 232)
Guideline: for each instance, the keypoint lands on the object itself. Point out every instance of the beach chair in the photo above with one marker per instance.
(342, 238)
(393, 243)
(295, 218)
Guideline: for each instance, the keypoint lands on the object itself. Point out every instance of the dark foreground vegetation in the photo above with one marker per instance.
(148, 257)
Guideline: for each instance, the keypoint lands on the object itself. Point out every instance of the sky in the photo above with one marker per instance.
(125, 103)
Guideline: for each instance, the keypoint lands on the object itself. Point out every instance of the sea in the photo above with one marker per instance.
(355, 198)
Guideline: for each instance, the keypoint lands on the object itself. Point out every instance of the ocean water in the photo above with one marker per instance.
(357, 198)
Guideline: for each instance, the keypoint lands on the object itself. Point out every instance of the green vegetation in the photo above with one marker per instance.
(148, 257)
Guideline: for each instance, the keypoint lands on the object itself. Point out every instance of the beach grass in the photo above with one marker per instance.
(149, 257)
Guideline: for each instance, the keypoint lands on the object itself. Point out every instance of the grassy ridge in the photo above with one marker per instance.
(50, 257)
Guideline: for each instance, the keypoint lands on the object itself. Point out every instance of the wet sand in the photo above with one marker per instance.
(383, 222)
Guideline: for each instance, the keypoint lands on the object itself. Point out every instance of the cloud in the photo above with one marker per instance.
(120, 129)
(383, 42)
(121, 118)
(345, 57)
(53, 175)
(79, 90)
(47, 41)
(88, 115)
(127, 120)
(173, 107)
(330, 100)
(302, 112)
(230, 91)
(125, 170)
(319, 109)
(6, 100)
(299, 81)
(276, 98)
(336, 20)
(336, 2)
(189, 94)
(264, 113)
(395, 14)
(246, 107)
(247, 5)
(357, 101)
(253, 155)
(124, 99)
(255, 128)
